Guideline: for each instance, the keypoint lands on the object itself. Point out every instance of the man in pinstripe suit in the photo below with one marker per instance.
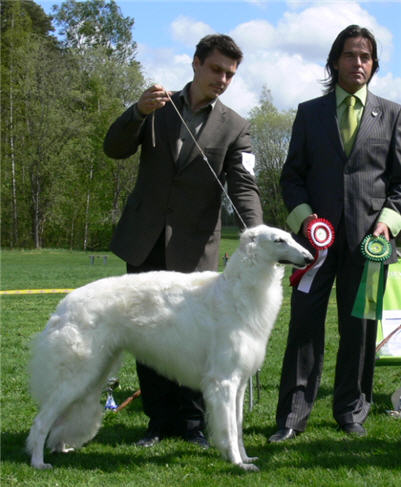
(358, 189)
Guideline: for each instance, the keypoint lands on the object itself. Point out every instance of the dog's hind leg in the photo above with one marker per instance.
(220, 398)
(42, 424)
(82, 419)
(240, 415)
(64, 423)
(70, 415)
(78, 424)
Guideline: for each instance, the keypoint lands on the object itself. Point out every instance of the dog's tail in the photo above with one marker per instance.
(61, 365)
(80, 417)
(58, 353)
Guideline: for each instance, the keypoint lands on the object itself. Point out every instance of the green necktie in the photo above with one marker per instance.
(349, 124)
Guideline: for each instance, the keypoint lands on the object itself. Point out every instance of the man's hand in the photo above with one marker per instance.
(306, 223)
(382, 229)
(151, 99)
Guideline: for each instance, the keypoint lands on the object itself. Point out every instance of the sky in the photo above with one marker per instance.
(285, 43)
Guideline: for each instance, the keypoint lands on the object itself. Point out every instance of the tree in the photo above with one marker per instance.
(96, 23)
(57, 101)
(101, 39)
(271, 132)
(25, 32)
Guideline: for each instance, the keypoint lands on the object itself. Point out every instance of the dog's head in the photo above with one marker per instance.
(263, 244)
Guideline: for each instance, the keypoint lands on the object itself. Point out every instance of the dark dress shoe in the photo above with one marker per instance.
(353, 429)
(151, 438)
(283, 435)
(196, 437)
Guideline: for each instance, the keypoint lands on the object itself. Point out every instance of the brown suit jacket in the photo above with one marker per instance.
(185, 201)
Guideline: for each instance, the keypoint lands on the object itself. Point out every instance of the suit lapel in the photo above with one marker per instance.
(371, 114)
(172, 123)
(329, 122)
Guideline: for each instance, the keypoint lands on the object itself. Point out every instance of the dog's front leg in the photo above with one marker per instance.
(240, 415)
(220, 398)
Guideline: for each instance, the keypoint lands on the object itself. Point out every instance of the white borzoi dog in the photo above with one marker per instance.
(206, 330)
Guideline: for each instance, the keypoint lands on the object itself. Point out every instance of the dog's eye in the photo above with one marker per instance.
(279, 240)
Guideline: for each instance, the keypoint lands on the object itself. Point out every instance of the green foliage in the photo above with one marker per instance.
(32, 13)
(321, 456)
(58, 100)
(96, 23)
(271, 131)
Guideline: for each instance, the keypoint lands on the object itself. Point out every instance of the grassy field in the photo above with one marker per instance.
(322, 456)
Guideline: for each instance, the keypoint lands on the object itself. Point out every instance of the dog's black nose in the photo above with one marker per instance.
(309, 260)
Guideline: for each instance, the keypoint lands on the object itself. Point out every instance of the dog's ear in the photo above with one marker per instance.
(248, 242)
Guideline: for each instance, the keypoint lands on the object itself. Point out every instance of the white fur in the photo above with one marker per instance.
(206, 330)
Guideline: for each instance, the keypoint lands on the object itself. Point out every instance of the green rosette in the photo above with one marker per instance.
(369, 299)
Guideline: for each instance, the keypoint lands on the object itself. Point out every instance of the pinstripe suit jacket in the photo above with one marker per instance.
(318, 172)
(184, 201)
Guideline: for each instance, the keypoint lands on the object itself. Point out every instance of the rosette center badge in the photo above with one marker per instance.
(376, 248)
(321, 233)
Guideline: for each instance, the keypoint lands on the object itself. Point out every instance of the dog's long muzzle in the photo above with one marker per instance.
(307, 260)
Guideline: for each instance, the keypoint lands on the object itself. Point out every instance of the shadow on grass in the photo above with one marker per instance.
(117, 436)
(113, 449)
(321, 445)
(333, 453)
(381, 403)
(304, 451)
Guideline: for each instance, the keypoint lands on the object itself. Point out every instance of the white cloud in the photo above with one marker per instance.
(256, 34)
(164, 67)
(313, 30)
(240, 96)
(189, 31)
(288, 58)
(288, 77)
(387, 87)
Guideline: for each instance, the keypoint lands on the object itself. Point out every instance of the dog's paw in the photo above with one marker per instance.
(250, 459)
(249, 467)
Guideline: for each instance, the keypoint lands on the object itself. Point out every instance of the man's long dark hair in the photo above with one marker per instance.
(337, 48)
(223, 43)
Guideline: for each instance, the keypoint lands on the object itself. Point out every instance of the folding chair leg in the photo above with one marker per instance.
(396, 400)
(250, 393)
(257, 375)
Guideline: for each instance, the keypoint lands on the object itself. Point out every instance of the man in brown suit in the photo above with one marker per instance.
(172, 219)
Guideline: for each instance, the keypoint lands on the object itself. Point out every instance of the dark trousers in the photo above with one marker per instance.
(172, 409)
(303, 359)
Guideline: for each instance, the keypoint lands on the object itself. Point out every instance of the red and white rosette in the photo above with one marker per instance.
(321, 235)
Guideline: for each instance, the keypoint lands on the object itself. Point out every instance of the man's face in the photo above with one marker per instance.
(355, 64)
(214, 75)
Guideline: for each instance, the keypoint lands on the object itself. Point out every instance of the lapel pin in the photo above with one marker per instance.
(375, 113)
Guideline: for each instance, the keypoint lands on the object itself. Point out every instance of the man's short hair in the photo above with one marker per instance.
(337, 48)
(223, 43)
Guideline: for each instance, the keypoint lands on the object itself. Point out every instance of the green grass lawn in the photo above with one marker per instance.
(322, 456)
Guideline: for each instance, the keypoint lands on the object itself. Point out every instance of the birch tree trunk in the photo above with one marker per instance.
(12, 147)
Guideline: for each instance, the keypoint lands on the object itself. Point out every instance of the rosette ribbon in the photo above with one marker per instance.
(369, 298)
(321, 235)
